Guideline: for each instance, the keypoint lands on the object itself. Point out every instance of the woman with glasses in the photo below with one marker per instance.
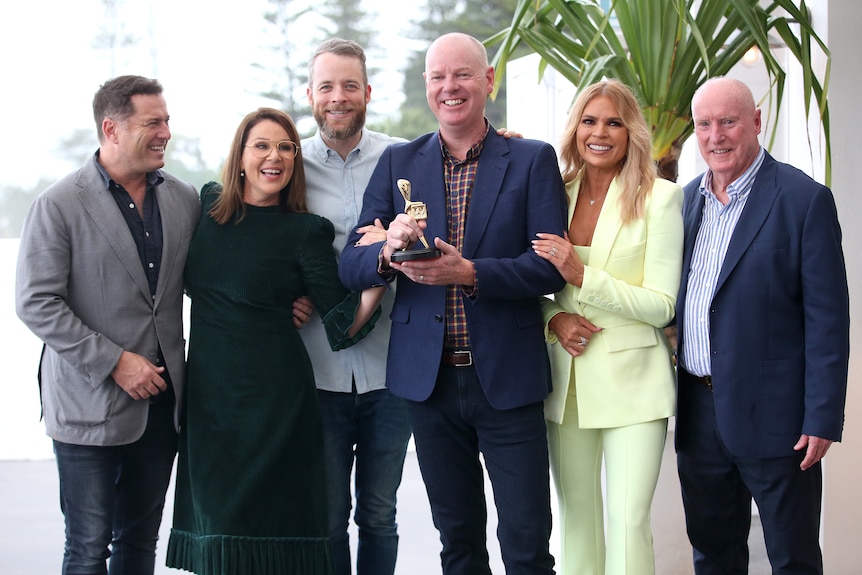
(250, 488)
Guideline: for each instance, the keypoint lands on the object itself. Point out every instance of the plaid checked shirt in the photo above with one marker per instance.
(459, 177)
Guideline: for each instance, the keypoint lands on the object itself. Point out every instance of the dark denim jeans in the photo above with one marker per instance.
(374, 429)
(115, 495)
(451, 429)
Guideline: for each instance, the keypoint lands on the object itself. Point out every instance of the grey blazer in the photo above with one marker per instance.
(81, 289)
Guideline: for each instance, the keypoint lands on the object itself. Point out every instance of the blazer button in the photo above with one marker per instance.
(438, 318)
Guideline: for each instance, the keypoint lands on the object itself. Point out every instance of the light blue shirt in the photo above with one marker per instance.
(335, 190)
(710, 247)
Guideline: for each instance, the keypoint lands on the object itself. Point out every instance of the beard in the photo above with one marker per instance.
(344, 133)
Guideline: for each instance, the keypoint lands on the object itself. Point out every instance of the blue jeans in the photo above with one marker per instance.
(451, 428)
(115, 495)
(374, 429)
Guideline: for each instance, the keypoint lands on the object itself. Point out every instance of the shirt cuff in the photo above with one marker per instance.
(388, 274)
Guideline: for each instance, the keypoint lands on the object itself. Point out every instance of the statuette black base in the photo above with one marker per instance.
(412, 255)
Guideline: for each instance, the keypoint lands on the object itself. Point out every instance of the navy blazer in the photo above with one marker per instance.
(779, 318)
(518, 192)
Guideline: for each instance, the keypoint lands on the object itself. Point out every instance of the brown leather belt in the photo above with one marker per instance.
(702, 379)
(457, 358)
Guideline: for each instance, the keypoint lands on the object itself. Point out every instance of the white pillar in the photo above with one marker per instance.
(842, 515)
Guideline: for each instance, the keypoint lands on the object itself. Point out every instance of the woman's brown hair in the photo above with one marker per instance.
(229, 205)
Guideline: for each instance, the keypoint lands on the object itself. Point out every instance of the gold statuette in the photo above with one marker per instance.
(416, 210)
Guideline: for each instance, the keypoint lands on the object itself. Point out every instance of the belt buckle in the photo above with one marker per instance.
(468, 353)
(708, 381)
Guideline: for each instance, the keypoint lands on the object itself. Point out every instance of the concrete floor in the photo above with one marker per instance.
(31, 526)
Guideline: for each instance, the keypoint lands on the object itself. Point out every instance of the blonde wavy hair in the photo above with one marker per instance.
(637, 168)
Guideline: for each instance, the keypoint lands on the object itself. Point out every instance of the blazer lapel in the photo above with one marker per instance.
(427, 185)
(102, 209)
(493, 164)
(172, 231)
(692, 216)
(607, 227)
(757, 208)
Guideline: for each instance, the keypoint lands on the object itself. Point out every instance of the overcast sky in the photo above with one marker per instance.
(201, 51)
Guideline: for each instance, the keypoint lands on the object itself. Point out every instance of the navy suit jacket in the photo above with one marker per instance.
(779, 317)
(517, 193)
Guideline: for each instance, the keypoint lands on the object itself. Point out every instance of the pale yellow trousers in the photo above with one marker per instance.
(632, 457)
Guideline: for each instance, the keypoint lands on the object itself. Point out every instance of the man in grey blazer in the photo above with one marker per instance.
(100, 282)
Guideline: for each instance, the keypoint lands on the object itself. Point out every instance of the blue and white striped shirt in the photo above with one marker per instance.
(710, 247)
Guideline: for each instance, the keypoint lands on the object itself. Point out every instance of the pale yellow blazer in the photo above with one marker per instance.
(625, 375)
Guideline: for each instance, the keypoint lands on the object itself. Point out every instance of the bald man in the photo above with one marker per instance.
(763, 318)
(467, 348)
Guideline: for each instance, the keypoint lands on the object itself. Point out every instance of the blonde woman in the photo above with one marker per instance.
(612, 371)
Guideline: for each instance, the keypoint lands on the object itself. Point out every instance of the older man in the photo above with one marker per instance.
(763, 320)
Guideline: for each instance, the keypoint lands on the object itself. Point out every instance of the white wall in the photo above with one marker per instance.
(842, 517)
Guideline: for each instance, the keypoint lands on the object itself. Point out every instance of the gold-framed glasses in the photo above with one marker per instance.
(262, 148)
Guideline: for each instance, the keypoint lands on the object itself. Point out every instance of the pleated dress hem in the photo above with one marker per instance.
(236, 555)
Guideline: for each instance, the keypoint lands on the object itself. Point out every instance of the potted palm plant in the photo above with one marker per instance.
(665, 49)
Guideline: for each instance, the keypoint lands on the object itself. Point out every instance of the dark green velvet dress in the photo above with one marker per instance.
(250, 487)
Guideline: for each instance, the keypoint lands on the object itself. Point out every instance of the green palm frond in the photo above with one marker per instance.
(665, 49)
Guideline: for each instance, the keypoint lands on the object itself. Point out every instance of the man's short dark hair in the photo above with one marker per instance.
(114, 98)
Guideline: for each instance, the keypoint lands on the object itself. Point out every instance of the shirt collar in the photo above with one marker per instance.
(473, 152)
(324, 152)
(153, 178)
(741, 186)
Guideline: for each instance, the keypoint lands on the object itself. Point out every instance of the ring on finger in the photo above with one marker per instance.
(583, 341)
(421, 278)
(553, 252)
